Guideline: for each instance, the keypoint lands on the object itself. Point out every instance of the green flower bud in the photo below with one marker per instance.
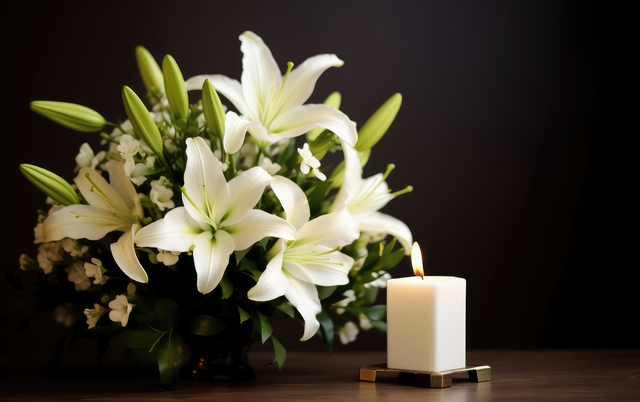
(334, 99)
(212, 108)
(75, 117)
(174, 86)
(149, 71)
(142, 121)
(322, 143)
(379, 122)
(51, 184)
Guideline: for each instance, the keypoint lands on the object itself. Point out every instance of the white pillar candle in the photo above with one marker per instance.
(426, 322)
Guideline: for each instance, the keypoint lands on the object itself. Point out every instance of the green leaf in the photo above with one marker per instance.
(392, 259)
(205, 325)
(169, 359)
(168, 312)
(370, 294)
(325, 291)
(227, 287)
(375, 313)
(265, 327)
(137, 339)
(380, 325)
(244, 316)
(263, 243)
(287, 308)
(280, 351)
(327, 327)
(240, 255)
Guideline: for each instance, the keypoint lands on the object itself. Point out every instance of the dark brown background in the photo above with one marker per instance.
(510, 132)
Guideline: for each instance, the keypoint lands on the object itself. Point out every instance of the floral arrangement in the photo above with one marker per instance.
(199, 226)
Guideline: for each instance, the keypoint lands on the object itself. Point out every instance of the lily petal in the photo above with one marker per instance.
(302, 79)
(377, 222)
(303, 118)
(352, 178)
(332, 269)
(260, 74)
(175, 232)
(293, 200)
(304, 297)
(257, 225)
(235, 128)
(374, 193)
(204, 181)
(82, 222)
(124, 254)
(337, 228)
(211, 257)
(272, 283)
(230, 88)
(123, 186)
(104, 196)
(245, 192)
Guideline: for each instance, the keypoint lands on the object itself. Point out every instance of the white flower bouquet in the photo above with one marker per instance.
(200, 225)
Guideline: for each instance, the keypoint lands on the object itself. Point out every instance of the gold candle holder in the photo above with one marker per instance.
(426, 379)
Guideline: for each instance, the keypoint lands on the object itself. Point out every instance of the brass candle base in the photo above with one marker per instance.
(426, 379)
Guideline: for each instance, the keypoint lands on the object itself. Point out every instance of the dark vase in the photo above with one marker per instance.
(221, 358)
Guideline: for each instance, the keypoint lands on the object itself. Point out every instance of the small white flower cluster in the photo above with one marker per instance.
(139, 160)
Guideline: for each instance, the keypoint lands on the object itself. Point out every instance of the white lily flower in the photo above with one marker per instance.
(311, 259)
(348, 333)
(120, 310)
(112, 207)
(310, 162)
(364, 197)
(94, 314)
(217, 218)
(271, 103)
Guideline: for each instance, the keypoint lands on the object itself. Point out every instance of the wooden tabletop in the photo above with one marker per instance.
(596, 375)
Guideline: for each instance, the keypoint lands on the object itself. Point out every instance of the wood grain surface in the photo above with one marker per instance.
(581, 375)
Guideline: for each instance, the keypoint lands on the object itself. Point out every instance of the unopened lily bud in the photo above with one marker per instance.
(378, 124)
(322, 143)
(174, 86)
(51, 184)
(213, 110)
(334, 99)
(75, 117)
(142, 122)
(149, 71)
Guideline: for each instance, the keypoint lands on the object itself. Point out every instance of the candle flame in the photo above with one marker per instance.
(416, 260)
